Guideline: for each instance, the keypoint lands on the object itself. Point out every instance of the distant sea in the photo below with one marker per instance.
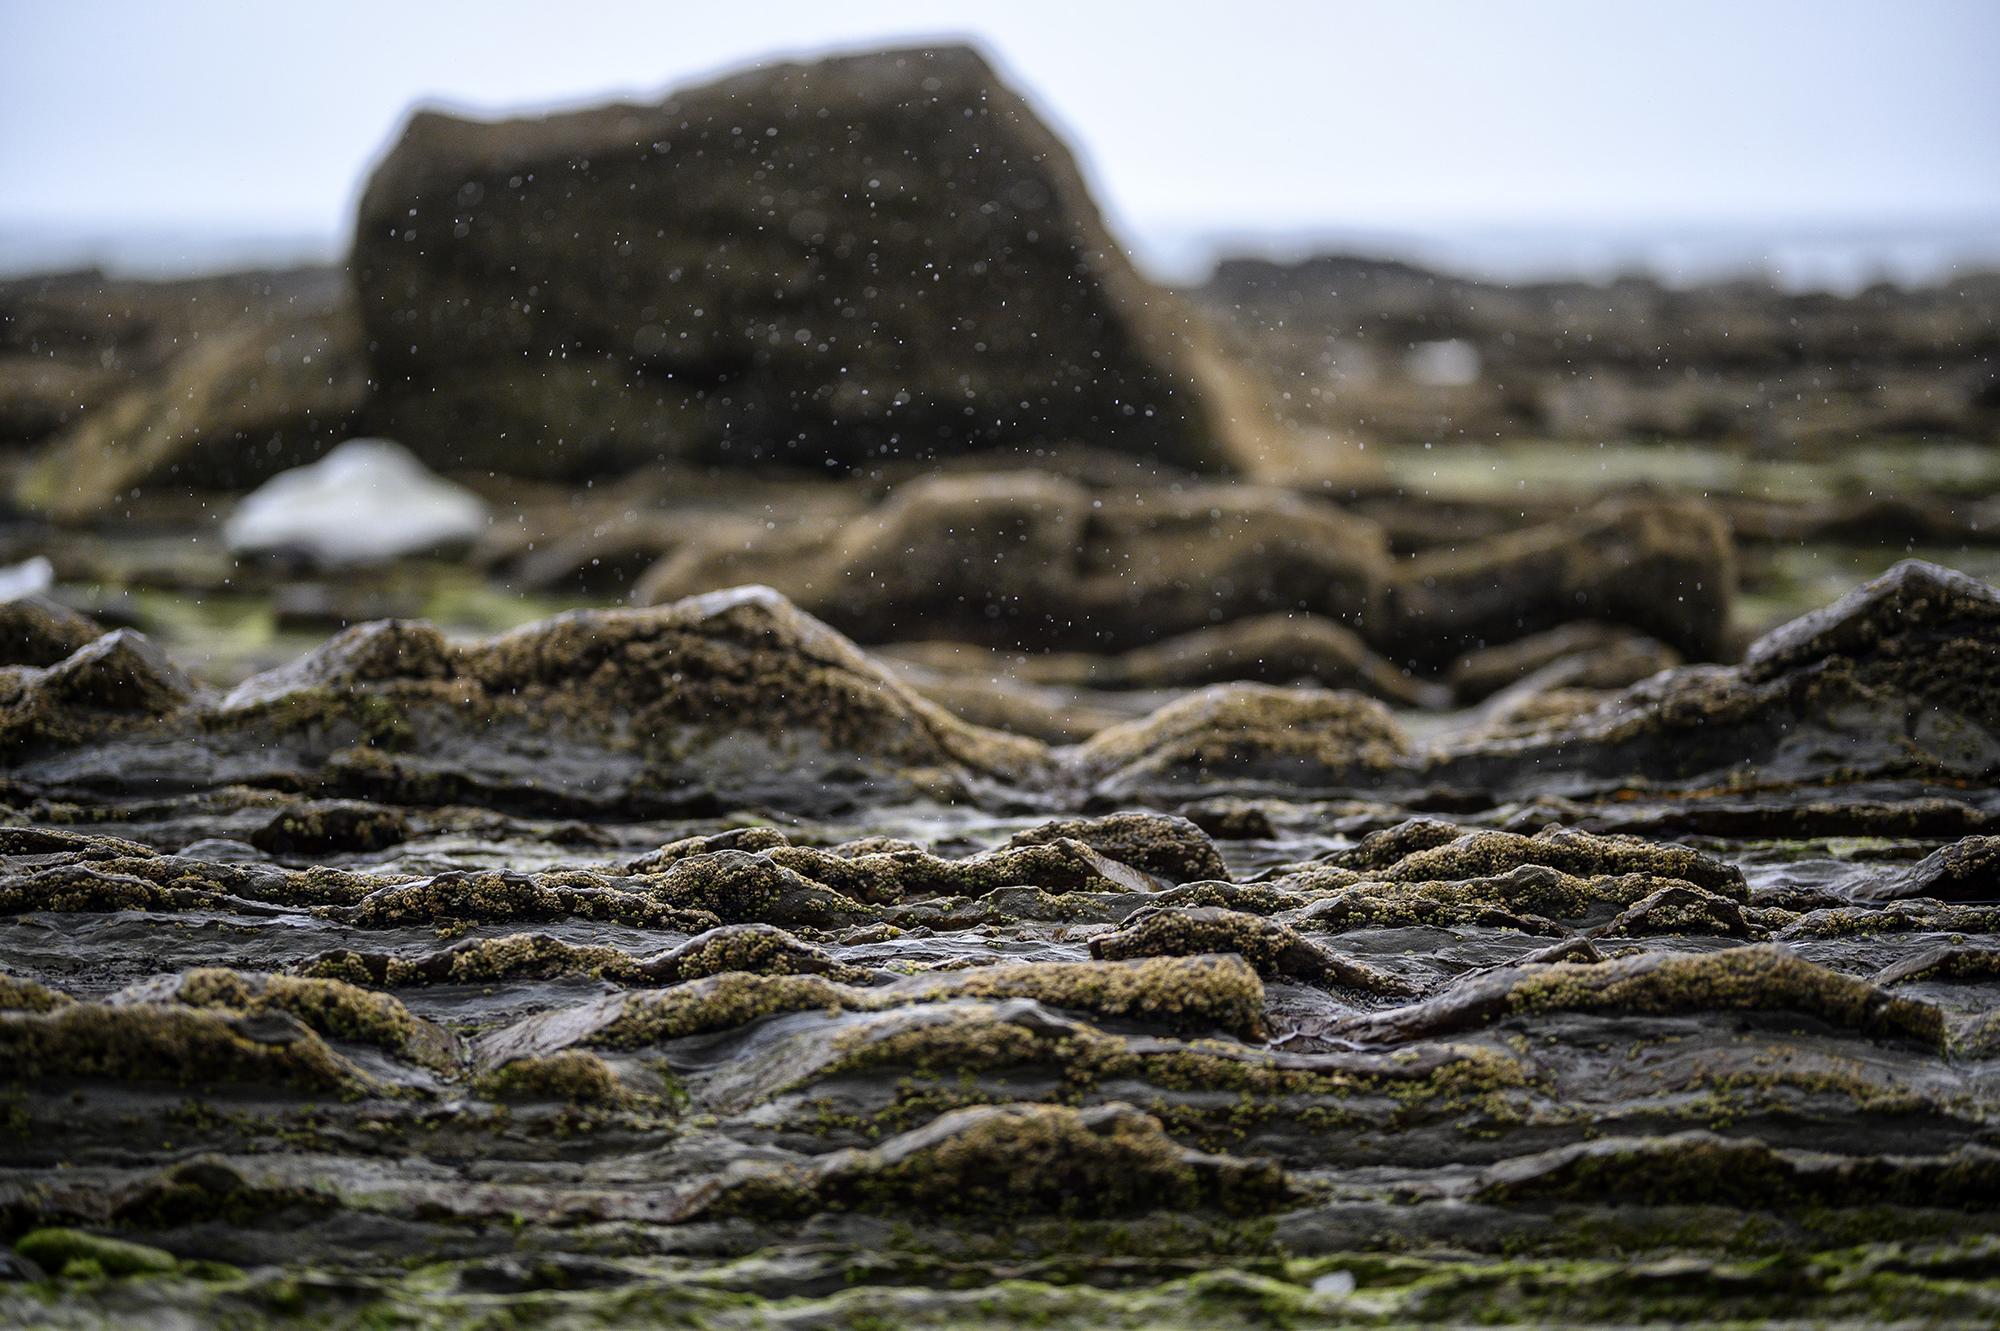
(1836, 256)
(1831, 256)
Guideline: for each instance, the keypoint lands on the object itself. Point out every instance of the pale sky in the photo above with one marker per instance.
(1246, 114)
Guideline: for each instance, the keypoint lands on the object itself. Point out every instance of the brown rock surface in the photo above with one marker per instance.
(824, 264)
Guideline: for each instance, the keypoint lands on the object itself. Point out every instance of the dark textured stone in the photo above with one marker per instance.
(819, 263)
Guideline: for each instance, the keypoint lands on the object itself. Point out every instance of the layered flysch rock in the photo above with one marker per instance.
(1099, 1069)
(1027, 561)
(828, 263)
(738, 698)
(1024, 559)
(1900, 678)
(734, 696)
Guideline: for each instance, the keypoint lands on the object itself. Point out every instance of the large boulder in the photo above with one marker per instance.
(823, 263)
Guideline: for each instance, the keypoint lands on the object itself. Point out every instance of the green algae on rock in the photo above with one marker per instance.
(70, 1252)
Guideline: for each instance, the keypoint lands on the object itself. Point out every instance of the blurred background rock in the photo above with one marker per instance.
(858, 327)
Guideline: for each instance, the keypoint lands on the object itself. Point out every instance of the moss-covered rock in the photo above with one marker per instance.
(737, 887)
(331, 827)
(1685, 909)
(1760, 978)
(1059, 864)
(1667, 567)
(1703, 1168)
(1958, 963)
(174, 1045)
(231, 408)
(1248, 734)
(1966, 870)
(73, 1252)
(1040, 1159)
(733, 695)
(1900, 678)
(1166, 846)
(748, 839)
(575, 1076)
(1274, 949)
(812, 341)
(35, 631)
(333, 1008)
(500, 897)
(1530, 898)
(106, 874)
(23, 995)
(1181, 993)
(112, 684)
(1482, 854)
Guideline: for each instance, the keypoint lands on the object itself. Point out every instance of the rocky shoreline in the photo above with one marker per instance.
(818, 1004)
(844, 760)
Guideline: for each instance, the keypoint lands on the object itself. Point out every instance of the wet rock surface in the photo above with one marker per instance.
(886, 771)
(687, 963)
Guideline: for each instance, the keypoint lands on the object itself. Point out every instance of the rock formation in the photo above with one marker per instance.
(822, 264)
